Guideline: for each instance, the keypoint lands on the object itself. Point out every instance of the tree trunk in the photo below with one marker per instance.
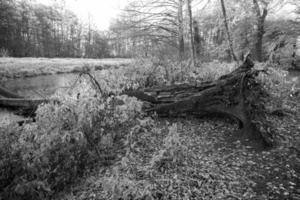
(190, 16)
(180, 30)
(260, 31)
(6, 93)
(227, 31)
(21, 103)
(197, 39)
(236, 95)
(14, 101)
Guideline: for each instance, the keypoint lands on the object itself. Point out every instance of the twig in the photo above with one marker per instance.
(41, 95)
(75, 82)
(94, 81)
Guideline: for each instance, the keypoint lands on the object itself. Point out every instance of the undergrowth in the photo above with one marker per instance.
(66, 140)
(95, 126)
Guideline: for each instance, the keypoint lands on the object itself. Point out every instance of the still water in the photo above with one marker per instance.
(41, 86)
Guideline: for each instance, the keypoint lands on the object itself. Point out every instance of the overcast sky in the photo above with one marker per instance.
(101, 11)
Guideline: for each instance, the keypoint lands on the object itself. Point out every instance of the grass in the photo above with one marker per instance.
(27, 67)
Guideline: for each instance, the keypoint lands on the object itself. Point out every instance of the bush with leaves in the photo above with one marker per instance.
(159, 72)
(132, 177)
(282, 89)
(122, 183)
(66, 140)
(10, 156)
(172, 152)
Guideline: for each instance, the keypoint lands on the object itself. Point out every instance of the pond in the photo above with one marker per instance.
(41, 86)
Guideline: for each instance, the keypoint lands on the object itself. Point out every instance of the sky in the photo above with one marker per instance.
(101, 11)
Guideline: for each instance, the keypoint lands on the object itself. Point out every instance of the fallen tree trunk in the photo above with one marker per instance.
(237, 95)
(25, 107)
(21, 103)
(11, 100)
(6, 93)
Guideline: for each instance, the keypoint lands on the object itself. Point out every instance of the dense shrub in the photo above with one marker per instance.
(66, 140)
(10, 156)
(123, 184)
(282, 89)
(158, 72)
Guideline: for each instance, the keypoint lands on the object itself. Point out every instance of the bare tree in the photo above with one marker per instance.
(228, 32)
(160, 21)
(180, 30)
(155, 18)
(261, 14)
(190, 18)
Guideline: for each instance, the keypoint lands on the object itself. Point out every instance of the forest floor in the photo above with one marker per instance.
(28, 67)
(186, 158)
(211, 161)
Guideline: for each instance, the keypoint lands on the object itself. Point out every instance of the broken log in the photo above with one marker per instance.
(237, 95)
(6, 93)
(14, 101)
(21, 103)
(20, 106)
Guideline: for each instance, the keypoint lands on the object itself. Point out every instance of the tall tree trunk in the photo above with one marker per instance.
(227, 31)
(260, 30)
(197, 38)
(190, 16)
(180, 31)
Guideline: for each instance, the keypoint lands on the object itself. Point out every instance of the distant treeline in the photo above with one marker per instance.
(143, 29)
(37, 30)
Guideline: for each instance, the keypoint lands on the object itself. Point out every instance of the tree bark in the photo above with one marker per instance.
(6, 93)
(260, 30)
(190, 17)
(236, 95)
(21, 102)
(228, 32)
(14, 101)
(197, 39)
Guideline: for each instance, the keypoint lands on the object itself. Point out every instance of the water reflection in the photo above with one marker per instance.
(41, 85)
